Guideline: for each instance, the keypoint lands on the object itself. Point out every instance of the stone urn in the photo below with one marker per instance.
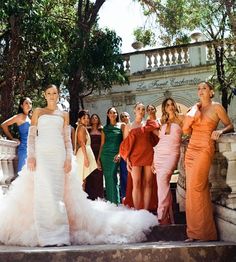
(137, 45)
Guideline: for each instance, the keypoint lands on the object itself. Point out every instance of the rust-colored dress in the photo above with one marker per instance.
(198, 159)
(138, 147)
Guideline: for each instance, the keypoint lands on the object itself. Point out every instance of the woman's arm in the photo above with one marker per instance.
(103, 138)
(5, 126)
(82, 139)
(68, 143)
(31, 160)
(224, 118)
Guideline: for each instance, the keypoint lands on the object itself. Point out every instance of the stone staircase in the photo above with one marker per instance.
(164, 243)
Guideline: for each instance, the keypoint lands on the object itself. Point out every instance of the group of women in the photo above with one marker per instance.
(148, 147)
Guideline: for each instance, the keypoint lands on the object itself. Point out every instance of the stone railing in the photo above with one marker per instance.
(222, 179)
(194, 54)
(7, 161)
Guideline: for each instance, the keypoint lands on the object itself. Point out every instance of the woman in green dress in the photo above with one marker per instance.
(111, 138)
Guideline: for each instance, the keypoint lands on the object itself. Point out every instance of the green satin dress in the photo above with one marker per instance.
(113, 138)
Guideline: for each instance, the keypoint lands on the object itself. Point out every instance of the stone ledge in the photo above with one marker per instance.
(155, 251)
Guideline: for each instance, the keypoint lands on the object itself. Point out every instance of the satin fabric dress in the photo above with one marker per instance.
(113, 138)
(83, 171)
(166, 156)
(198, 159)
(22, 148)
(94, 182)
(138, 147)
(49, 207)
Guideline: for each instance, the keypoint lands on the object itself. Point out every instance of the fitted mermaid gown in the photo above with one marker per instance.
(22, 148)
(166, 156)
(49, 207)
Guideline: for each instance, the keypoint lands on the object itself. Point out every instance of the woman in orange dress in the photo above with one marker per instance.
(137, 150)
(201, 122)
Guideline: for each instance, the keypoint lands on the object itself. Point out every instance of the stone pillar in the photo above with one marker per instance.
(227, 146)
(137, 63)
(7, 156)
(197, 55)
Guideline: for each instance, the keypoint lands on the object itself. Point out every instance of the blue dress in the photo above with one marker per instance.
(22, 148)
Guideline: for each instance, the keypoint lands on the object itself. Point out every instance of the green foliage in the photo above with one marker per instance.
(54, 43)
(147, 37)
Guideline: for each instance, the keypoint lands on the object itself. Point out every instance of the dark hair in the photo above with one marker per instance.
(99, 120)
(108, 119)
(165, 115)
(83, 113)
(22, 100)
(210, 85)
(49, 86)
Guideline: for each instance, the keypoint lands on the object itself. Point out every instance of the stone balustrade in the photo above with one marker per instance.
(194, 54)
(222, 179)
(7, 161)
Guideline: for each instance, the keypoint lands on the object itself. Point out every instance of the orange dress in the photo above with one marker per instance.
(138, 147)
(198, 159)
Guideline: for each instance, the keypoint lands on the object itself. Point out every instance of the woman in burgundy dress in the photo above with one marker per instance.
(94, 182)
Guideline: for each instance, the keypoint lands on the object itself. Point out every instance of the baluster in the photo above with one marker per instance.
(155, 61)
(149, 57)
(186, 55)
(167, 57)
(179, 55)
(161, 53)
(173, 57)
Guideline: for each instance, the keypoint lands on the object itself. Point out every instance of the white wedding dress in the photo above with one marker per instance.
(49, 207)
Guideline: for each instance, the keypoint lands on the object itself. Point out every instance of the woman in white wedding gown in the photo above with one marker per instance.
(46, 205)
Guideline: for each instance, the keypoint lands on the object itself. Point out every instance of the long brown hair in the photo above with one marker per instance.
(165, 115)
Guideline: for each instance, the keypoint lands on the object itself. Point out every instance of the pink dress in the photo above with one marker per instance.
(166, 156)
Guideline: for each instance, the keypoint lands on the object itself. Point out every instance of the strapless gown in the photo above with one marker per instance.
(198, 159)
(83, 171)
(166, 156)
(22, 148)
(49, 207)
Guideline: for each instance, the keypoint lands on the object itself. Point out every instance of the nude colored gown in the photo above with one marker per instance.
(166, 156)
(198, 159)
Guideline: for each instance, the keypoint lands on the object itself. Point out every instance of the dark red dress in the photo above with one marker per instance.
(94, 182)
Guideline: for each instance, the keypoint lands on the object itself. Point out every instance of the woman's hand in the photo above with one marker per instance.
(16, 140)
(99, 164)
(67, 166)
(86, 162)
(116, 158)
(129, 167)
(153, 168)
(31, 163)
(216, 134)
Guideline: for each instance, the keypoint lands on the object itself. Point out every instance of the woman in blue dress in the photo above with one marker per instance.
(22, 120)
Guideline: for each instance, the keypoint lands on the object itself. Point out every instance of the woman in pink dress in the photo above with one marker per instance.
(166, 156)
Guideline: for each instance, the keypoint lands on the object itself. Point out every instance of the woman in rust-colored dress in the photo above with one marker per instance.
(94, 182)
(137, 150)
(201, 122)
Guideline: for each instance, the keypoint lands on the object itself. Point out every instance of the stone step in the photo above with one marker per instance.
(139, 252)
(176, 232)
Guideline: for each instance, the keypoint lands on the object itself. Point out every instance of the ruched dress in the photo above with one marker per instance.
(198, 159)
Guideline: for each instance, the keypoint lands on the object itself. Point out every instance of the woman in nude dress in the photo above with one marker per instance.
(166, 156)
